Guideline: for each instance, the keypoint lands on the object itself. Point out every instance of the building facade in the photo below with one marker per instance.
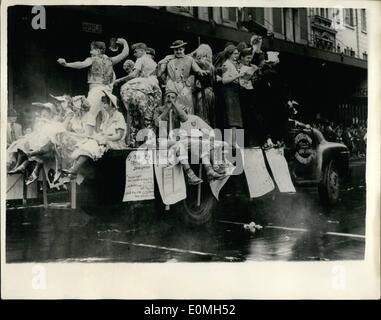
(323, 51)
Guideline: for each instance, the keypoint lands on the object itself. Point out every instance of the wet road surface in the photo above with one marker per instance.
(295, 228)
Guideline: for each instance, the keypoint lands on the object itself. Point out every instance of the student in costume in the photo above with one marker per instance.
(101, 76)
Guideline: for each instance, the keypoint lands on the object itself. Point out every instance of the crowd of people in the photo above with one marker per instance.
(354, 136)
(181, 91)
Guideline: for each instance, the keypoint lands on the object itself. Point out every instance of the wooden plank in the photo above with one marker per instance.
(73, 193)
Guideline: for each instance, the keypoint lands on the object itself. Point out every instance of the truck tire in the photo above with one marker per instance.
(329, 187)
(194, 215)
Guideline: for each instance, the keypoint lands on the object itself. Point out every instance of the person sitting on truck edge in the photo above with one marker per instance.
(174, 111)
(112, 136)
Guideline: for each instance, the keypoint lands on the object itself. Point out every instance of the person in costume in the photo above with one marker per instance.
(174, 131)
(100, 77)
(179, 69)
(112, 136)
(141, 94)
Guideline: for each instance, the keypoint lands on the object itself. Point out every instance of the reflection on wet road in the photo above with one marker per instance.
(295, 228)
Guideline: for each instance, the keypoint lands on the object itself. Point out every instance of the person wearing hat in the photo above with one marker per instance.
(63, 105)
(271, 102)
(100, 76)
(151, 53)
(14, 129)
(179, 74)
(112, 136)
(173, 116)
(141, 94)
(67, 141)
(114, 127)
(143, 67)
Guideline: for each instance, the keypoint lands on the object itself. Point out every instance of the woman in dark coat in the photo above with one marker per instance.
(230, 92)
(246, 94)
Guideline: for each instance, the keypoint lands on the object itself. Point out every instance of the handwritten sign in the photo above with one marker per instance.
(139, 177)
(258, 178)
(279, 169)
(171, 183)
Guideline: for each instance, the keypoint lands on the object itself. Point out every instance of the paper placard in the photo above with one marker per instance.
(258, 178)
(217, 185)
(171, 183)
(279, 169)
(139, 176)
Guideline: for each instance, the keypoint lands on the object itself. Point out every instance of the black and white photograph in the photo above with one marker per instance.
(172, 134)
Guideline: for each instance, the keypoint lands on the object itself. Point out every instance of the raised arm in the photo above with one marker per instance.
(197, 69)
(75, 65)
(180, 111)
(157, 118)
(121, 56)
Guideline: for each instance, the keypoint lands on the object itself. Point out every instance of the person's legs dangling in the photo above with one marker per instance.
(21, 163)
(78, 163)
(35, 173)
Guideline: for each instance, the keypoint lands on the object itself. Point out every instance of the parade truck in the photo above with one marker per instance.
(110, 184)
(314, 161)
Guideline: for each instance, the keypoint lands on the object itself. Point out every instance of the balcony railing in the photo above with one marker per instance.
(323, 23)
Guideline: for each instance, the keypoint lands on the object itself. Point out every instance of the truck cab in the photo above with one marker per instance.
(314, 161)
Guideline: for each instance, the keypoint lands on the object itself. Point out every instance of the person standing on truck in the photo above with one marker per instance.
(100, 77)
(179, 69)
(141, 94)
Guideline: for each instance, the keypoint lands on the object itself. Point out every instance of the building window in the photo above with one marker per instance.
(277, 20)
(203, 13)
(363, 20)
(348, 17)
(259, 15)
(229, 15)
(323, 12)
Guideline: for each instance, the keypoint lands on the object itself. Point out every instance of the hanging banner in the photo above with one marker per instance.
(258, 178)
(139, 176)
(279, 169)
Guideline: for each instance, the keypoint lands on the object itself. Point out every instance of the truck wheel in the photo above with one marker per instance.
(195, 215)
(329, 187)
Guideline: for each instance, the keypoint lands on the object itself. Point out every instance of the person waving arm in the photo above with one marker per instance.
(121, 56)
(77, 64)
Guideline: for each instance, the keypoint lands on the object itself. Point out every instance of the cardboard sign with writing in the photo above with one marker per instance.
(279, 169)
(139, 176)
(171, 183)
(258, 178)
